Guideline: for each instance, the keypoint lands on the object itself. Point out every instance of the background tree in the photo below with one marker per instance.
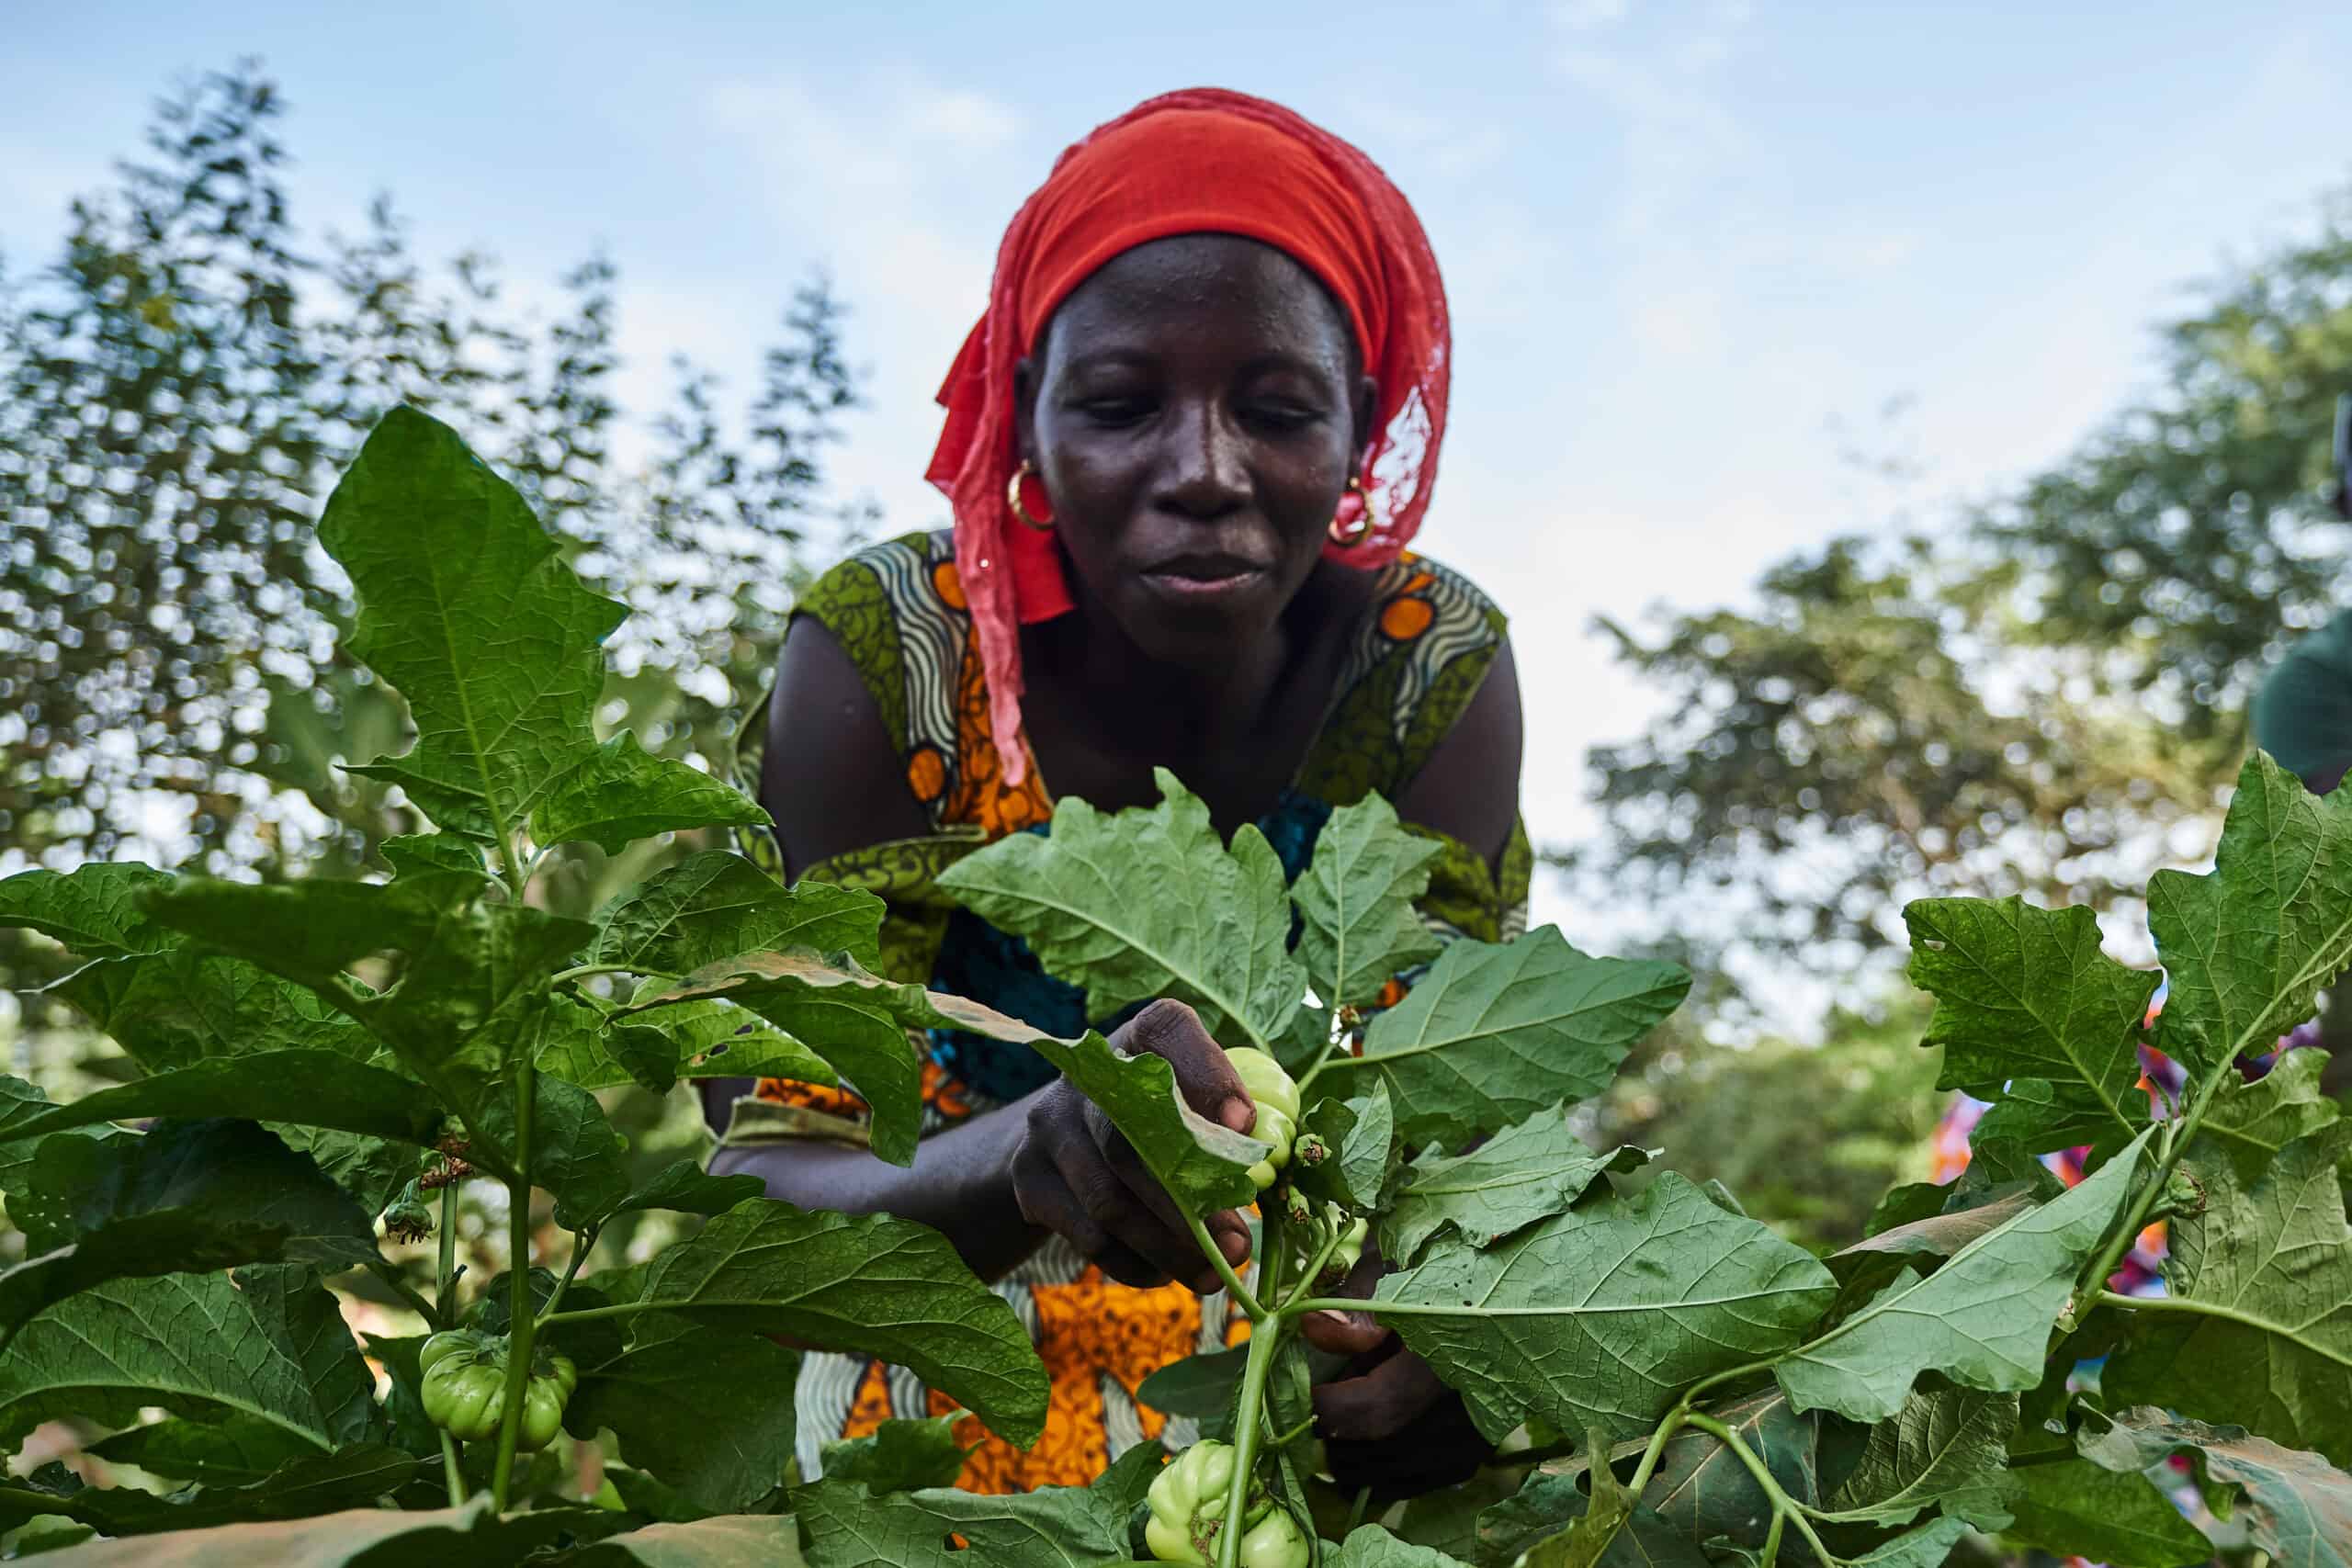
(2049, 700)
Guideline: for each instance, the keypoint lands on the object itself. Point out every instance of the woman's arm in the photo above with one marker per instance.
(1468, 789)
(1000, 1183)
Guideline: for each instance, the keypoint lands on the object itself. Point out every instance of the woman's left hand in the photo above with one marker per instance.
(1387, 1423)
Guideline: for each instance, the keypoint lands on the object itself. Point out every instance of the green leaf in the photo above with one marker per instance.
(93, 910)
(1700, 1492)
(2247, 946)
(872, 1284)
(2037, 1114)
(1216, 933)
(737, 1542)
(2259, 1331)
(575, 1153)
(714, 905)
(2075, 1508)
(1523, 1174)
(709, 1413)
(847, 1526)
(472, 1537)
(467, 607)
(372, 1170)
(313, 1088)
(184, 1004)
(685, 1186)
(189, 1342)
(1202, 1164)
(2248, 1123)
(1361, 1133)
(690, 1040)
(1600, 1317)
(188, 1197)
(901, 1456)
(304, 1322)
(235, 1451)
(301, 1488)
(619, 793)
(1947, 1448)
(1983, 1319)
(1355, 900)
(424, 854)
(2295, 1506)
(1869, 1265)
(1369, 1546)
(1492, 1035)
(1201, 1386)
(2026, 993)
(1928, 1547)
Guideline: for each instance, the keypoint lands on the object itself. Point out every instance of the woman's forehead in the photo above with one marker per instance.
(1246, 287)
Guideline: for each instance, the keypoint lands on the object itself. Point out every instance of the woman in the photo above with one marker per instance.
(1186, 446)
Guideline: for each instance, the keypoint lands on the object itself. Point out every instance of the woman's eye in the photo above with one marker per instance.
(1282, 416)
(1116, 410)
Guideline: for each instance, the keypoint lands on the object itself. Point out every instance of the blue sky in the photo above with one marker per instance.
(1683, 241)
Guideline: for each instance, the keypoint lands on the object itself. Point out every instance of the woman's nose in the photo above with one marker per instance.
(1204, 471)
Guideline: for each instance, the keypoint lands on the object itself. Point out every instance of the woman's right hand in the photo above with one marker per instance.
(1077, 1176)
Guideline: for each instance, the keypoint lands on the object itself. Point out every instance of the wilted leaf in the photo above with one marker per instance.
(2296, 1507)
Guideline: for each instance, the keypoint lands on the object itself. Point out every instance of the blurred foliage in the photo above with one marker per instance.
(2049, 700)
(1810, 1136)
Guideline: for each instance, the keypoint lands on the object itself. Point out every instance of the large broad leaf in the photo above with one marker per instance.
(847, 1526)
(1356, 903)
(313, 1088)
(1523, 1174)
(1870, 1264)
(710, 1413)
(471, 1537)
(1492, 1035)
(620, 792)
(1599, 1317)
(2247, 946)
(2257, 1329)
(1215, 930)
(2074, 1508)
(685, 1186)
(1947, 1448)
(189, 1342)
(575, 1153)
(879, 1286)
(2248, 1123)
(93, 910)
(466, 606)
(184, 1005)
(300, 1488)
(1369, 1546)
(467, 997)
(1983, 1319)
(716, 905)
(188, 1197)
(901, 1456)
(2026, 993)
(826, 1000)
(2296, 1507)
(1930, 1546)
(739, 1541)
(235, 1451)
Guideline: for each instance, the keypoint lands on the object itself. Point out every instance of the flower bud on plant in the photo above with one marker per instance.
(409, 1217)
(1350, 1252)
(1310, 1150)
(1276, 1097)
(1295, 1208)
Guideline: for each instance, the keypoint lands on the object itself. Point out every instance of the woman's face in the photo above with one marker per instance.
(1194, 413)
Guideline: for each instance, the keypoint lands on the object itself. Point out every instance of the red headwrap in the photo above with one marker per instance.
(1200, 161)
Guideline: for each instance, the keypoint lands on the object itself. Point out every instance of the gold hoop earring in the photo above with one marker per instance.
(1012, 499)
(1348, 533)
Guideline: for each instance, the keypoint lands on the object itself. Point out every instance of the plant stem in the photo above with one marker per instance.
(389, 1275)
(450, 1468)
(2178, 1134)
(1240, 1292)
(1315, 1268)
(584, 1244)
(1265, 1338)
(1783, 1505)
(590, 1314)
(445, 1315)
(520, 1316)
(589, 971)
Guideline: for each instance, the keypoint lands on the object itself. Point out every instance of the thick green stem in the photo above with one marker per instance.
(1240, 1292)
(2174, 1143)
(1265, 1338)
(589, 971)
(520, 1312)
(445, 1312)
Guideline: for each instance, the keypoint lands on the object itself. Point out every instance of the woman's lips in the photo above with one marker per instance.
(1203, 579)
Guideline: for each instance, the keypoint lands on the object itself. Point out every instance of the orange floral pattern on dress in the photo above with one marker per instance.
(1089, 1329)
(940, 1093)
(979, 794)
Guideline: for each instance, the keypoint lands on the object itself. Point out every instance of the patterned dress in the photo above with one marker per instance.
(899, 610)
